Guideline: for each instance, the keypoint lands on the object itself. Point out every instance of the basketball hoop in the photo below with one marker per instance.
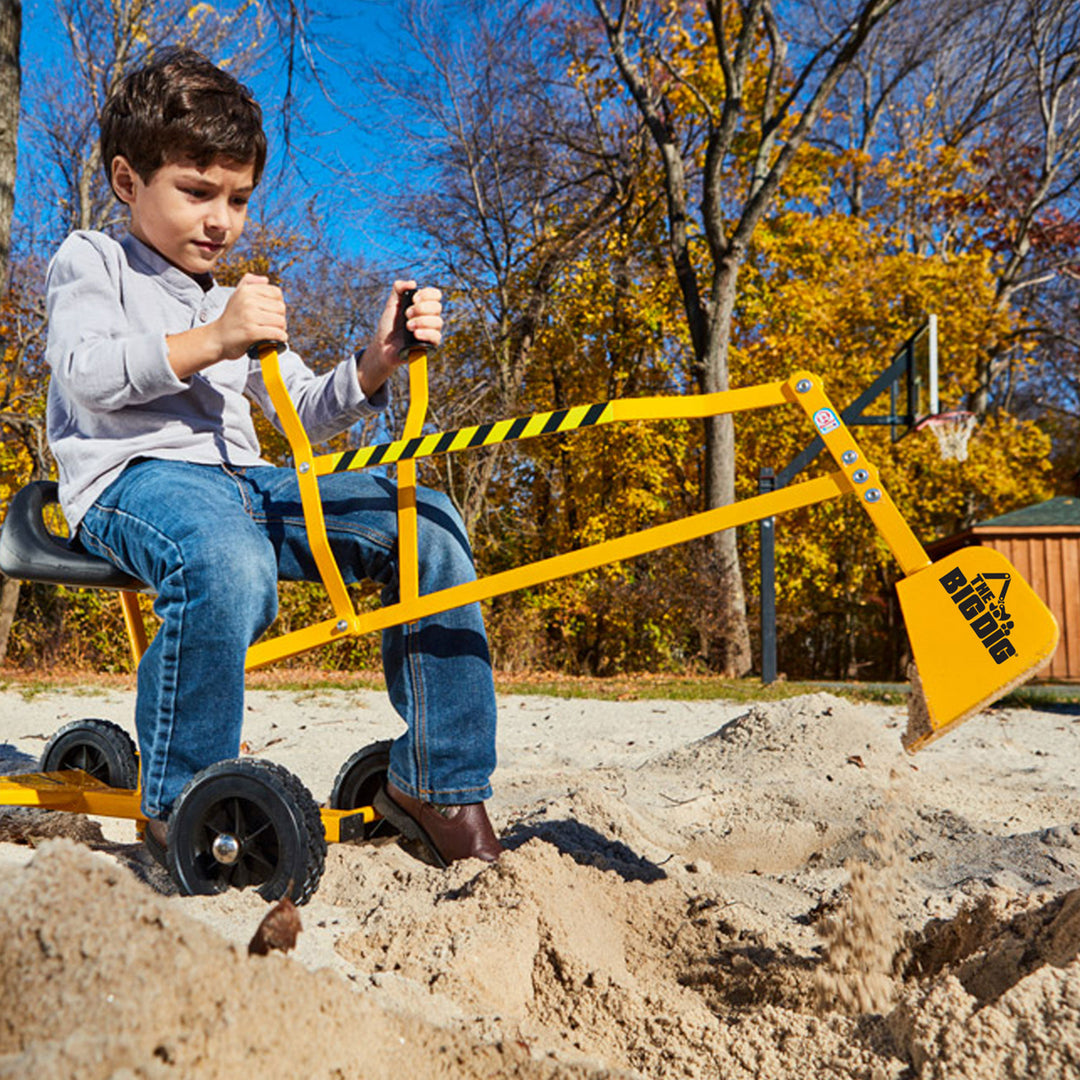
(952, 431)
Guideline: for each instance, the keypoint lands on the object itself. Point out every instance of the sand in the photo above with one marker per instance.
(698, 889)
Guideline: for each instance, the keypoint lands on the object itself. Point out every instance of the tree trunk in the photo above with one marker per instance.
(736, 658)
(10, 86)
(9, 601)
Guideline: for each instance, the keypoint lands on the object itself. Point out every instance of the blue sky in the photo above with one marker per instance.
(335, 159)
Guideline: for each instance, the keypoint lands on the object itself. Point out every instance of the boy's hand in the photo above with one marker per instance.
(255, 312)
(424, 317)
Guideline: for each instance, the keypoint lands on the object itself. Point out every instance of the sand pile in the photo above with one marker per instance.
(100, 978)
(762, 892)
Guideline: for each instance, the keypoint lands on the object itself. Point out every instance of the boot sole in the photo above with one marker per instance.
(407, 825)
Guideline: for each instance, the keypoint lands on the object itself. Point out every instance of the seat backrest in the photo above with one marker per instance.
(29, 552)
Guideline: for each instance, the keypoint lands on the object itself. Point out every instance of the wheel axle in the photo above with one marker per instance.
(226, 849)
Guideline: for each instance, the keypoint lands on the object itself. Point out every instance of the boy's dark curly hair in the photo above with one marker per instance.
(181, 106)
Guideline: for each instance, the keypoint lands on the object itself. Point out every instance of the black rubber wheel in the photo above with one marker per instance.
(357, 782)
(98, 747)
(243, 824)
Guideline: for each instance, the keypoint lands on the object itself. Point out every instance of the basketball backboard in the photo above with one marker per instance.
(910, 381)
(914, 394)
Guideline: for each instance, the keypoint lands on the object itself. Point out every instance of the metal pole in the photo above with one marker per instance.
(767, 536)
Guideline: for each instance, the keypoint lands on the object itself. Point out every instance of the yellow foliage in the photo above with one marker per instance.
(820, 290)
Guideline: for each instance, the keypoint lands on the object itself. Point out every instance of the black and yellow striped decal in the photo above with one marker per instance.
(524, 427)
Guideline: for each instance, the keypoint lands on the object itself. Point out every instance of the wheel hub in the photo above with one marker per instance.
(225, 848)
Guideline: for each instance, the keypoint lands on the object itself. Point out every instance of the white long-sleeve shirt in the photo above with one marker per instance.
(113, 396)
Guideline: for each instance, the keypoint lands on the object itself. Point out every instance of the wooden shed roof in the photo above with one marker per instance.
(1056, 517)
(1064, 510)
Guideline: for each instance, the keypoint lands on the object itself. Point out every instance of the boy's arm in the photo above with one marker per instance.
(91, 349)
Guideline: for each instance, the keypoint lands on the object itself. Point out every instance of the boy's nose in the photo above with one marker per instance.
(217, 216)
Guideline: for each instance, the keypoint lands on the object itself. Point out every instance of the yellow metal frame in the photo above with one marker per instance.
(935, 645)
(78, 792)
(854, 475)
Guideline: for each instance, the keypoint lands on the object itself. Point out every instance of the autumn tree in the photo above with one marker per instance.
(756, 100)
(1031, 176)
(24, 453)
(1049, 388)
(613, 331)
(824, 291)
(10, 85)
(502, 173)
(666, 197)
(818, 286)
(10, 97)
(988, 118)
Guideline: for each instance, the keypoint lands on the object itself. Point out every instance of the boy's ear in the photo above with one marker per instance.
(123, 178)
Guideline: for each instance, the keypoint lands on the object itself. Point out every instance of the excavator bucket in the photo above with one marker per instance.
(977, 630)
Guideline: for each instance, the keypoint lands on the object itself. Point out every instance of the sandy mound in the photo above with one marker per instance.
(101, 978)
(760, 892)
(1032, 1031)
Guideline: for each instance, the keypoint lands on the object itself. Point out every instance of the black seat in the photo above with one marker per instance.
(29, 552)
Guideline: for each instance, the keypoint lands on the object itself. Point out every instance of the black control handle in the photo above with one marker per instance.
(256, 350)
(410, 343)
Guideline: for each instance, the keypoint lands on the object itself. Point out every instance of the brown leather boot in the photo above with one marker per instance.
(155, 837)
(448, 832)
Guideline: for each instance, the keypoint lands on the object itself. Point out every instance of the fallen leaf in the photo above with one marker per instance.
(247, 748)
(278, 929)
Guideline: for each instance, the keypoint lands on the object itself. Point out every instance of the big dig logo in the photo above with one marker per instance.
(984, 609)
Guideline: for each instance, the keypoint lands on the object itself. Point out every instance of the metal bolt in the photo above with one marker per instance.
(849, 457)
(341, 627)
(305, 466)
(873, 495)
(226, 849)
(860, 476)
(803, 386)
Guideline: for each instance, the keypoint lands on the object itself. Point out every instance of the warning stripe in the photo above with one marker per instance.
(524, 427)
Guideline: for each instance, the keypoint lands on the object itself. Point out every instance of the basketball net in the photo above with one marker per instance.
(952, 430)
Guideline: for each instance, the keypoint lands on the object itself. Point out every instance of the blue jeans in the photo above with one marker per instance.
(213, 541)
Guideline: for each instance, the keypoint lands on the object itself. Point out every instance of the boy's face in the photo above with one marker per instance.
(188, 213)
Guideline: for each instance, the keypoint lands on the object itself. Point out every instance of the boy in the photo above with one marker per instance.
(149, 420)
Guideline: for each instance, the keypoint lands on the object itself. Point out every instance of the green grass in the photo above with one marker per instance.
(616, 688)
(675, 688)
(34, 687)
(1036, 696)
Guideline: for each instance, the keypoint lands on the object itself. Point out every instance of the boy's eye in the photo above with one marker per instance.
(197, 193)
